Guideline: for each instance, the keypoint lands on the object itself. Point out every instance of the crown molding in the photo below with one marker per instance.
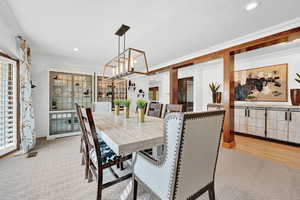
(249, 37)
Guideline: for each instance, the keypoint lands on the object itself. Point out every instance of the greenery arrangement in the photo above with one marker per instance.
(298, 78)
(214, 87)
(141, 103)
(126, 103)
(117, 102)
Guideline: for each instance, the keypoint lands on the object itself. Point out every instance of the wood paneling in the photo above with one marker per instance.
(228, 136)
(174, 86)
(280, 153)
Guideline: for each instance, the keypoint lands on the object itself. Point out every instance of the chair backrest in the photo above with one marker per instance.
(100, 107)
(89, 133)
(81, 122)
(196, 153)
(155, 109)
(169, 108)
(92, 136)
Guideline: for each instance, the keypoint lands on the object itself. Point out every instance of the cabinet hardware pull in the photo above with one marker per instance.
(248, 113)
(285, 116)
(290, 116)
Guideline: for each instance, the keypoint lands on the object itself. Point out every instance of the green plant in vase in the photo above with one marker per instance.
(141, 104)
(216, 95)
(117, 103)
(126, 104)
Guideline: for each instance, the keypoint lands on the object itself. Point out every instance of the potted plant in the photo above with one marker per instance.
(126, 104)
(141, 104)
(117, 103)
(295, 93)
(216, 96)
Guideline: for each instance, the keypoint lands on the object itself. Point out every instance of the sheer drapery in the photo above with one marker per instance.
(28, 135)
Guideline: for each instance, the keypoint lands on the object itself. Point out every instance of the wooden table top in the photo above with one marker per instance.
(128, 135)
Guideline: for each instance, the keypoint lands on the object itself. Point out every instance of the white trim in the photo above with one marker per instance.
(52, 137)
(53, 69)
(252, 36)
(13, 145)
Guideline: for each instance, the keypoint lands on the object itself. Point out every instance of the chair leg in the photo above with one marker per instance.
(86, 169)
(99, 190)
(82, 159)
(81, 145)
(90, 176)
(211, 192)
(122, 166)
(135, 188)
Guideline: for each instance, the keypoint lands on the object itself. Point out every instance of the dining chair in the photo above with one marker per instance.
(83, 144)
(188, 168)
(169, 108)
(101, 157)
(154, 109)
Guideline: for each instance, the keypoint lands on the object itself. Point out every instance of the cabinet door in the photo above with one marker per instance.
(256, 122)
(294, 130)
(241, 121)
(277, 125)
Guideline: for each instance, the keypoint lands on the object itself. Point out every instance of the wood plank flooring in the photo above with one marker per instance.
(284, 154)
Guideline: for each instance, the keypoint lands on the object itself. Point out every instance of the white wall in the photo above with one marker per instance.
(203, 74)
(161, 80)
(206, 73)
(290, 56)
(41, 64)
(8, 32)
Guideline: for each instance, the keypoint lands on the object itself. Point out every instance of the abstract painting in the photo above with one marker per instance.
(261, 84)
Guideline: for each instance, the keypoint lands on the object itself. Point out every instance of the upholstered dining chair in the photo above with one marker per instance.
(154, 109)
(101, 157)
(169, 108)
(188, 168)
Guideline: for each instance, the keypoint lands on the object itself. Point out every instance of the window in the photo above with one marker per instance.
(8, 106)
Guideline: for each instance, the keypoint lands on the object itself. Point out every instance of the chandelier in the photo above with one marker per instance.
(129, 61)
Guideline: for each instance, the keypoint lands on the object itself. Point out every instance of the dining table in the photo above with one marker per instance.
(128, 135)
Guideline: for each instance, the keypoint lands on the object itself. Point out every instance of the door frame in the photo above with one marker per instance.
(16, 64)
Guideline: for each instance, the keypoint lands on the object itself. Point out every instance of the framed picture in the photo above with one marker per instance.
(262, 84)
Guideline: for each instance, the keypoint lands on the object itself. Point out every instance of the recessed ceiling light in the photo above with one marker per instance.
(75, 49)
(135, 61)
(251, 6)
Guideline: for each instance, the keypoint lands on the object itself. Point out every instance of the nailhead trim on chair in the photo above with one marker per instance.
(188, 116)
(162, 161)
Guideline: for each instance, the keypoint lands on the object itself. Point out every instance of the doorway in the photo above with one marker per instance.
(153, 94)
(186, 93)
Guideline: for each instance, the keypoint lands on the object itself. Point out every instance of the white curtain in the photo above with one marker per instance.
(28, 134)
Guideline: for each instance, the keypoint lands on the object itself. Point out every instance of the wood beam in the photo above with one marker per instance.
(228, 133)
(174, 86)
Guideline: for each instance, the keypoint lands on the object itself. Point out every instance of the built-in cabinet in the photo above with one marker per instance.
(66, 89)
(268, 122)
(250, 120)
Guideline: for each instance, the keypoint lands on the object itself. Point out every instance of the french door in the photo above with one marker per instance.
(8, 105)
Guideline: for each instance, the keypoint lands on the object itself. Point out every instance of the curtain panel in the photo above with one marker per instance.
(28, 134)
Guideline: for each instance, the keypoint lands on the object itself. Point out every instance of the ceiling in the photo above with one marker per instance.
(165, 29)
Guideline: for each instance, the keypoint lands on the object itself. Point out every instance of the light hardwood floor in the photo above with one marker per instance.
(284, 154)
